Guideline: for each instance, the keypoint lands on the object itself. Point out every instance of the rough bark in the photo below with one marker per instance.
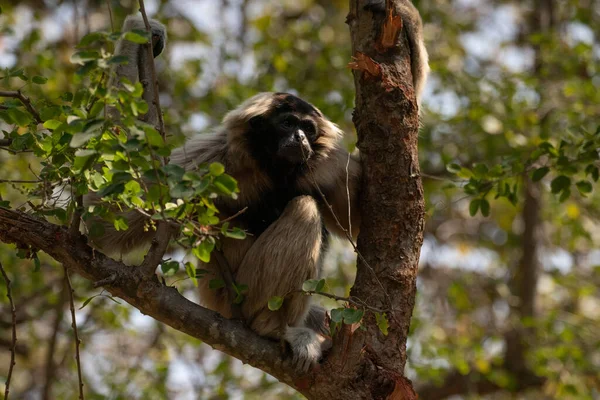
(362, 364)
(392, 195)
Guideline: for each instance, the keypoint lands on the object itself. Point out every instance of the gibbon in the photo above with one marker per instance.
(279, 148)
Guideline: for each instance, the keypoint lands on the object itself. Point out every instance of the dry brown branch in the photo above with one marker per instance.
(75, 331)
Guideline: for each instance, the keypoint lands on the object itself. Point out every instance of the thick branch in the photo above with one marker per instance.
(163, 303)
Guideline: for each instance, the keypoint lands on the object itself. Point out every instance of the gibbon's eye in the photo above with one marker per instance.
(308, 127)
(289, 123)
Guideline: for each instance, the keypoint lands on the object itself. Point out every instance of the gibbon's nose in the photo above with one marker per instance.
(299, 136)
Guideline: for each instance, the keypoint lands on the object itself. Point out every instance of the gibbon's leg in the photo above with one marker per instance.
(219, 300)
(286, 254)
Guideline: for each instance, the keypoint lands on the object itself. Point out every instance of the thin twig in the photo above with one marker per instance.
(346, 232)
(348, 193)
(237, 214)
(112, 23)
(13, 345)
(353, 300)
(76, 333)
(25, 100)
(17, 181)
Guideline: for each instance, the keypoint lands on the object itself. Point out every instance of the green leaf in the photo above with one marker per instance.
(36, 262)
(118, 60)
(593, 171)
(480, 170)
(90, 38)
(560, 183)
(39, 80)
(382, 322)
(453, 168)
(337, 315)
(52, 124)
(240, 291)
(81, 57)
(153, 137)
(203, 250)
(584, 187)
(191, 271)
(216, 169)
(564, 195)
(313, 285)
(169, 267)
(235, 233)
(226, 184)
(87, 301)
(136, 36)
(21, 118)
(352, 316)
(484, 206)
(539, 173)
(216, 284)
(275, 303)
(474, 207)
(120, 224)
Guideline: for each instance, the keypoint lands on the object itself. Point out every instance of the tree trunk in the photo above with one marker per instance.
(366, 364)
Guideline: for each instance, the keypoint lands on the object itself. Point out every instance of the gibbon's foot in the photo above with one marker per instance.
(306, 347)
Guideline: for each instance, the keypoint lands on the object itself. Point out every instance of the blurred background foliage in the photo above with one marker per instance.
(508, 303)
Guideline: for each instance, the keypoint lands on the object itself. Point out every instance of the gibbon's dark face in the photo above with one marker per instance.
(286, 135)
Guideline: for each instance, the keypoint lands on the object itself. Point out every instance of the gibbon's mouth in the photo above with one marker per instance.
(296, 153)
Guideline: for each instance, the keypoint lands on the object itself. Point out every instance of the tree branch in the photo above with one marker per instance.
(163, 303)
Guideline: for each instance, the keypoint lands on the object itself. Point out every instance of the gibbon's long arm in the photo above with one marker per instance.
(137, 67)
(413, 26)
(112, 242)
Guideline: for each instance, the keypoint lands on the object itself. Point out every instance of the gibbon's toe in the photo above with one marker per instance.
(306, 347)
